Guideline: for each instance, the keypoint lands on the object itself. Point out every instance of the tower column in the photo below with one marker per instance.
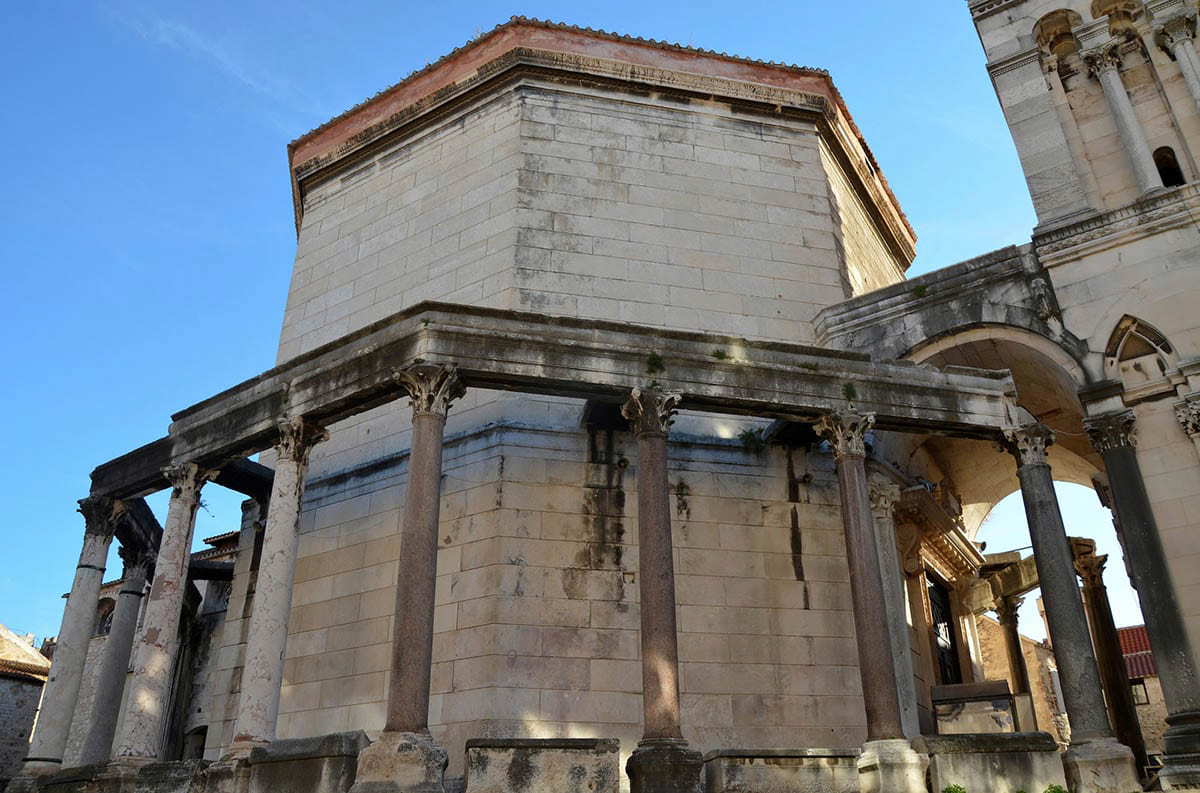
(405, 757)
(262, 673)
(1095, 762)
(1104, 63)
(662, 762)
(888, 763)
(141, 736)
(1121, 710)
(1176, 34)
(61, 693)
(114, 667)
(1112, 435)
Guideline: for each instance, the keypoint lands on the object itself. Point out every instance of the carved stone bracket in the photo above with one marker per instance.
(1110, 431)
(846, 432)
(1028, 444)
(297, 436)
(650, 411)
(1188, 414)
(431, 387)
(98, 513)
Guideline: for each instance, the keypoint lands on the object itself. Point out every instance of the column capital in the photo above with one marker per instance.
(1028, 443)
(1178, 29)
(136, 561)
(846, 431)
(884, 495)
(186, 479)
(1110, 431)
(297, 436)
(1102, 59)
(1187, 413)
(650, 411)
(1006, 608)
(98, 513)
(430, 387)
(1090, 567)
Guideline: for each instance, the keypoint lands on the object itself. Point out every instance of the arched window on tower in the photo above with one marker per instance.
(1139, 356)
(1168, 167)
(104, 616)
(1056, 42)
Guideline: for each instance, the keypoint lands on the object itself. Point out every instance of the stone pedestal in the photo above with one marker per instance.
(553, 765)
(665, 766)
(891, 766)
(401, 762)
(781, 771)
(322, 764)
(1104, 765)
(996, 763)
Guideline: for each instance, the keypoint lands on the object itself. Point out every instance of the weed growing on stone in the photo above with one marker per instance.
(920, 291)
(850, 392)
(655, 363)
(954, 789)
(719, 354)
(752, 440)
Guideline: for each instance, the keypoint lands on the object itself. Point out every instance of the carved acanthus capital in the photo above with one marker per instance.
(430, 387)
(1106, 58)
(1029, 443)
(846, 431)
(1111, 431)
(1090, 568)
(186, 479)
(1007, 607)
(136, 561)
(297, 436)
(884, 495)
(98, 516)
(1188, 414)
(650, 411)
(1174, 31)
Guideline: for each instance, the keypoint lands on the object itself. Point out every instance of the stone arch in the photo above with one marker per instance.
(1053, 33)
(1139, 356)
(1047, 377)
(1121, 15)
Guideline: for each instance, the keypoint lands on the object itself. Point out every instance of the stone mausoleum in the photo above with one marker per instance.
(608, 446)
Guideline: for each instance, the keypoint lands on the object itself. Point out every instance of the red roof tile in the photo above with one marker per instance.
(1135, 647)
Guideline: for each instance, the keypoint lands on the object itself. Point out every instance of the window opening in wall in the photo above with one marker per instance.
(1168, 167)
(945, 641)
(1140, 696)
(104, 617)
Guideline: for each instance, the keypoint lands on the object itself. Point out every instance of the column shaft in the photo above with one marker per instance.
(262, 674)
(114, 667)
(49, 739)
(1176, 34)
(1068, 626)
(884, 496)
(141, 734)
(1018, 672)
(1112, 435)
(880, 691)
(1105, 65)
(431, 389)
(650, 414)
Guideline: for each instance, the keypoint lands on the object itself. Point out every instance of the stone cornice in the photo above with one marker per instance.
(981, 9)
(1172, 208)
(1014, 62)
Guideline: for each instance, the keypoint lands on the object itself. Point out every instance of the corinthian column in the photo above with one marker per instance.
(662, 760)
(888, 762)
(1113, 436)
(114, 667)
(1177, 34)
(1094, 755)
(884, 495)
(405, 758)
(1188, 414)
(1121, 710)
(262, 673)
(1104, 63)
(70, 652)
(141, 735)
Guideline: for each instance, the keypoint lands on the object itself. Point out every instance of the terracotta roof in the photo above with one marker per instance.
(1135, 648)
(19, 658)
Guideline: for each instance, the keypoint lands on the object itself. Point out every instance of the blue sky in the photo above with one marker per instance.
(148, 234)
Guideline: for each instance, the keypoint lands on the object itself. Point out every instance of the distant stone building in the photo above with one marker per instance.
(1147, 690)
(1039, 660)
(687, 463)
(23, 672)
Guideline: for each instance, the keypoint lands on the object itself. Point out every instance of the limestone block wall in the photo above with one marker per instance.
(537, 615)
(19, 699)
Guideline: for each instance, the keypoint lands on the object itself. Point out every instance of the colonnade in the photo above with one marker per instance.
(663, 750)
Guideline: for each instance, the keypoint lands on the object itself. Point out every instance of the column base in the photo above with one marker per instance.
(401, 762)
(1103, 765)
(665, 765)
(1181, 763)
(891, 766)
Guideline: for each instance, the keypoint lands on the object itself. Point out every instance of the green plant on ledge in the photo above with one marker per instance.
(752, 440)
(654, 363)
(1056, 789)
(954, 789)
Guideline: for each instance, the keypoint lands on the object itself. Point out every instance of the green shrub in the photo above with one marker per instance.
(954, 789)
(1056, 789)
